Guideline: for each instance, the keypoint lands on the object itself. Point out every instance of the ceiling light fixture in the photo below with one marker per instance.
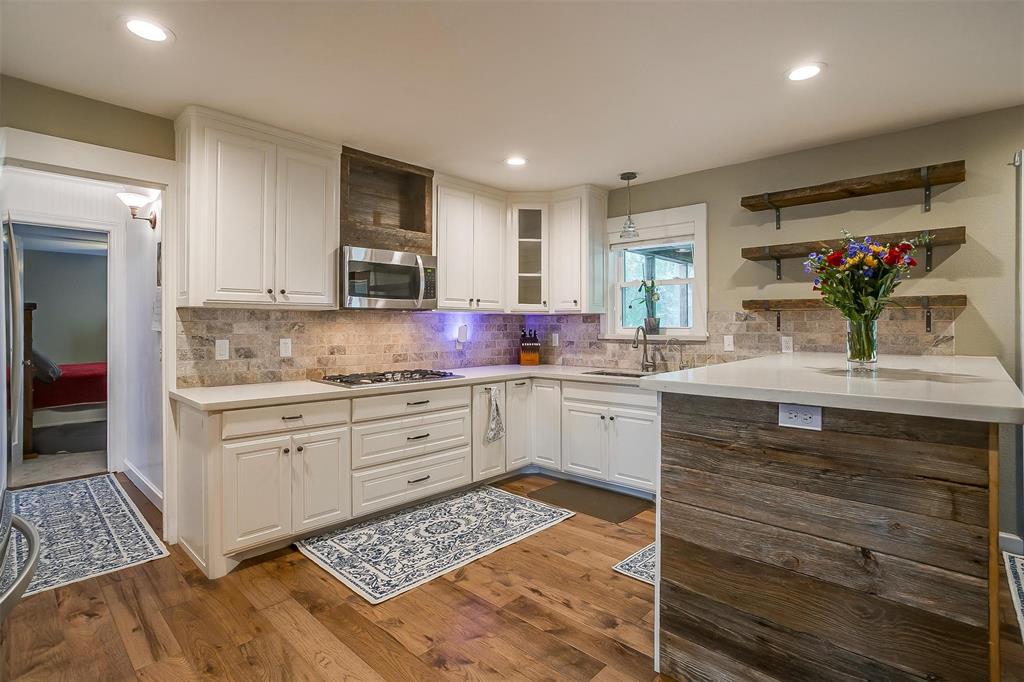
(147, 30)
(134, 201)
(515, 161)
(805, 71)
(629, 230)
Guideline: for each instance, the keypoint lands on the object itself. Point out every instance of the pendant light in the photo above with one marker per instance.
(629, 230)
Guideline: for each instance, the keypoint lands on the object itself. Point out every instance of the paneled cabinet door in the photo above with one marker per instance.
(518, 425)
(566, 252)
(584, 439)
(488, 458)
(633, 446)
(321, 478)
(546, 421)
(488, 253)
(240, 211)
(307, 228)
(529, 258)
(455, 213)
(257, 487)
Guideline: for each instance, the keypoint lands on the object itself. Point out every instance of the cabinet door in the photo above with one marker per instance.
(529, 258)
(455, 209)
(518, 427)
(488, 253)
(307, 229)
(241, 175)
(257, 486)
(547, 423)
(633, 447)
(584, 439)
(566, 247)
(488, 458)
(321, 478)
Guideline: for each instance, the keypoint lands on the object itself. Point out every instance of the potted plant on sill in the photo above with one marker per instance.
(858, 279)
(652, 323)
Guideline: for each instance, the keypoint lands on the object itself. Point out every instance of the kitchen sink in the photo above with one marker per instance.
(618, 373)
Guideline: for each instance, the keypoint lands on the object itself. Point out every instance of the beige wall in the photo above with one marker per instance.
(983, 268)
(70, 324)
(29, 106)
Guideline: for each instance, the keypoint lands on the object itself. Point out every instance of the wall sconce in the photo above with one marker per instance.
(136, 201)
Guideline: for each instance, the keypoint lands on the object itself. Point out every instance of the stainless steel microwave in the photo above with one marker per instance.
(382, 279)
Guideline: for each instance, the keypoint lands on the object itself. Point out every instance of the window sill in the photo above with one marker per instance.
(687, 336)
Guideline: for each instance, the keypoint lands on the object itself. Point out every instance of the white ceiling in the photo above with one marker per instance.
(583, 90)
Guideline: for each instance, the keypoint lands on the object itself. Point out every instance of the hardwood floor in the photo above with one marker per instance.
(547, 607)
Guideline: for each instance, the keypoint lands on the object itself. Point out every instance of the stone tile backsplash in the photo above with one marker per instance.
(342, 342)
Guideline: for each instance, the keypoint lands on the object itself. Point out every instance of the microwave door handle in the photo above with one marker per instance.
(423, 280)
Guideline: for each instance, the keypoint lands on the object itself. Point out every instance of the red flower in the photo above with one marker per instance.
(892, 257)
(905, 246)
(834, 258)
(912, 263)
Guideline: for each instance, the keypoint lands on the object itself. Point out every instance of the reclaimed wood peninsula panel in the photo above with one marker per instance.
(862, 551)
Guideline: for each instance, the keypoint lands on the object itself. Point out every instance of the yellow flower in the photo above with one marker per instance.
(871, 261)
(877, 249)
(855, 260)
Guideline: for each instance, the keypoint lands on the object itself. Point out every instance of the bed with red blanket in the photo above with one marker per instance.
(79, 383)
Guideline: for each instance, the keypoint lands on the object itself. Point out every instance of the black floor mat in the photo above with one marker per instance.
(585, 499)
(85, 437)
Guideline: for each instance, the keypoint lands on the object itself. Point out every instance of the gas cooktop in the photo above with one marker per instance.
(407, 376)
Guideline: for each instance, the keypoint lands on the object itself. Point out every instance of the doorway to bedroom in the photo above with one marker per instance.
(65, 329)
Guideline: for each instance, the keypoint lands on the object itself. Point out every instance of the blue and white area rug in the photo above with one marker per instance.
(87, 527)
(386, 556)
(639, 565)
(1015, 576)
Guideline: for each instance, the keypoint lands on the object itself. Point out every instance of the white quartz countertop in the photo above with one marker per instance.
(953, 387)
(217, 398)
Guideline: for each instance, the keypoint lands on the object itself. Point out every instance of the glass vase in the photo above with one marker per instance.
(862, 345)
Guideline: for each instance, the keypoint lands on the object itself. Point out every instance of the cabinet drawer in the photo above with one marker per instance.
(259, 420)
(608, 393)
(414, 402)
(393, 484)
(390, 440)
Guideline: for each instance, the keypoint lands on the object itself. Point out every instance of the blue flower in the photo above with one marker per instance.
(812, 254)
(868, 273)
(817, 281)
(807, 267)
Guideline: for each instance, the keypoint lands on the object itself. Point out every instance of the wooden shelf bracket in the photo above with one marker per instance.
(778, 268)
(927, 189)
(778, 211)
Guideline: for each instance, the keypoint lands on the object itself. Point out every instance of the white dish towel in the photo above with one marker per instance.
(495, 422)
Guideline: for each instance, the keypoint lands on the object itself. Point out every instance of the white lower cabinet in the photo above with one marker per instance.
(518, 431)
(488, 458)
(257, 491)
(389, 485)
(321, 483)
(633, 446)
(585, 439)
(546, 423)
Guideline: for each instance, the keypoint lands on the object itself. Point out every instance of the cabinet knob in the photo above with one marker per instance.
(283, 291)
(287, 450)
(471, 301)
(609, 419)
(270, 291)
(299, 449)
(602, 417)
(543, 302)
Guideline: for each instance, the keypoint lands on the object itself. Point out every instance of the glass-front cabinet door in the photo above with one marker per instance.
(530, 257)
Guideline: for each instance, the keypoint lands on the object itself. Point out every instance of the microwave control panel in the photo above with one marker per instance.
(429, 283)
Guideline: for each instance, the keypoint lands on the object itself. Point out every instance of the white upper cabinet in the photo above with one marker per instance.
(529, 257)
(566, 254)
(470, 245)
(260, 213)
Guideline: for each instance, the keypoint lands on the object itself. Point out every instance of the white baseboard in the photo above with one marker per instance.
(152, 493)
(73, 414)
(1014, 544)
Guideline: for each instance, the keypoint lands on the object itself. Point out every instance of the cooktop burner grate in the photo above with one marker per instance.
(406, 376)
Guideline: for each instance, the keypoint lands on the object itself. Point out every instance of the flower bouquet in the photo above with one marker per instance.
(858, 279)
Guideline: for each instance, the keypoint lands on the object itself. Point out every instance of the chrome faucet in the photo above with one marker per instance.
(646, 364)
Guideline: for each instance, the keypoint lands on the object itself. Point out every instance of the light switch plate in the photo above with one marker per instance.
(286, 348)
(220, 349)
(727, 344)
(800, 416)
(787, 344)
(554, 339)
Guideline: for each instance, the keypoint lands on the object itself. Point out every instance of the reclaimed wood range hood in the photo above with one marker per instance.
(385, 204)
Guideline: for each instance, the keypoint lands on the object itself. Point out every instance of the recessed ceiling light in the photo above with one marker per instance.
(805, 71)
(515, 161)
(148, 30)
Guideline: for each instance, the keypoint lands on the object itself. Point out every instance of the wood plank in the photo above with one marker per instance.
(205, 644)
(899, 636)
(687, 660)
(953, 595)
(270, 657)
(92, 638)
(783, 304)
(938, 236)
(865, 185)
(36, 643)
(136, 613)
(994, 556)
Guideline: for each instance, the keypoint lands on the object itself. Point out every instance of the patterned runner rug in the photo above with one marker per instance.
(639, 565)
(87, 527)
(1015, 576)
(383, 557)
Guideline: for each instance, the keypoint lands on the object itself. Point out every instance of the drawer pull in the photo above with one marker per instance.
(418, 402)
(419, 437)
(419, 480)
(292, 418)
(520, 383)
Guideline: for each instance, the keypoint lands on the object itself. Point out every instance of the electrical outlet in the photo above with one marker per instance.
(727, 344)
(286, 348)
(554, 339)
(787, 344)
(220, 349)
(800, 416)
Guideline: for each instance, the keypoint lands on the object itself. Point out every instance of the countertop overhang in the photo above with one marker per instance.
(951, 387)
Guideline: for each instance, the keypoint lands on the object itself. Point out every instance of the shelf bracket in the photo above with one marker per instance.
(778, 212)
(778, 320)
(927, 315)
(927, 189)
(928, 258)
(778, 268)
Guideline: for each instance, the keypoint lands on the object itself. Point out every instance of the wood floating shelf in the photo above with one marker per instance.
(780, 305)
(924, 177)
(942, 236)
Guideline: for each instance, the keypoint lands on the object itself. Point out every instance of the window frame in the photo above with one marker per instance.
(669, 226)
